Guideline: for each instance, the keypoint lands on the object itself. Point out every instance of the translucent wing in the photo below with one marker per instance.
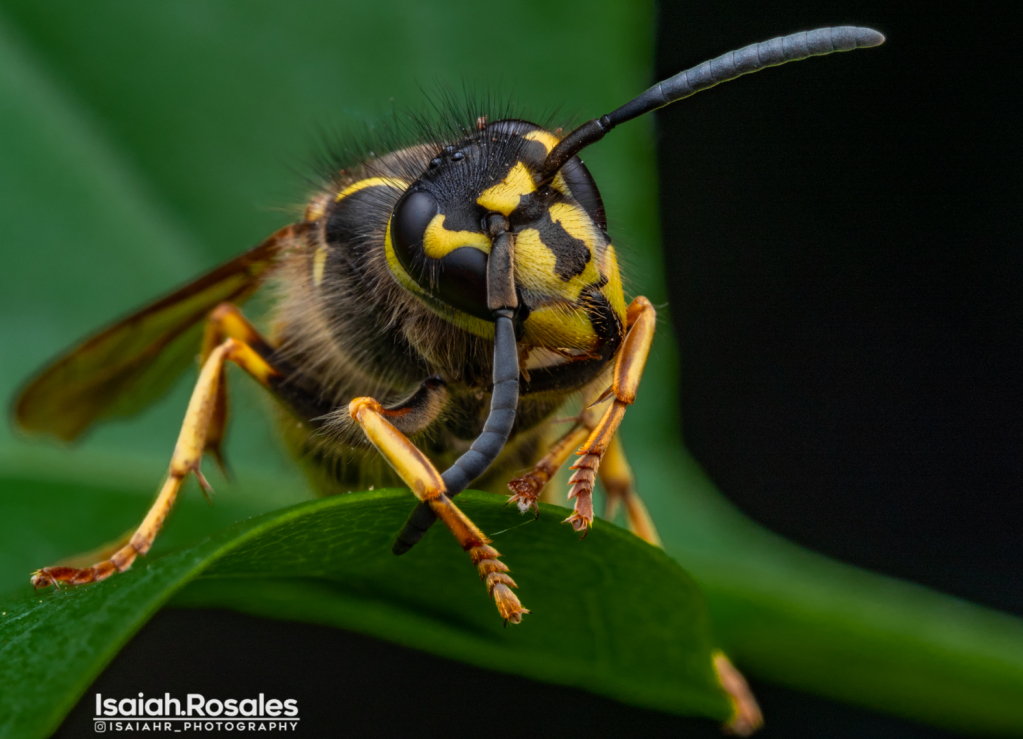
(125, 367)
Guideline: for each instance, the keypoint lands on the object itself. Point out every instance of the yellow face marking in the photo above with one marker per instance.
(613, 290)
(504, 197)
(534, 266)
(549, 141)
(566, 324)
(535, 269)
(371, 182)
(438, 242)
(578, 224)
(319, 262)
(561, 327)
(576, 221)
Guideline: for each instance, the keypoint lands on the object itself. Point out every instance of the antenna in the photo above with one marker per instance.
(726, 67)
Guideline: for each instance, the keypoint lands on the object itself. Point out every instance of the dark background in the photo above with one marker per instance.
(844, 244)
(842, 239)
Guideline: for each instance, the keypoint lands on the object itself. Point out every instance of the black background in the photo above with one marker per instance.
(843, 248)
(844, 238)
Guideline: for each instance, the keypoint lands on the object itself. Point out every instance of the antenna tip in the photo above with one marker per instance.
(868, 37)
(846, 38)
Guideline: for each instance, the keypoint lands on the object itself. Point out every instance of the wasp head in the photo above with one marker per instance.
(567, 281)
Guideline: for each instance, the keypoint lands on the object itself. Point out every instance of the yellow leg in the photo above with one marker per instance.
(614, 471)
(103, 551)
(616, 475)
(187, 456)
(225, 321)
(423, 479)
(526, 488)
(746, 715)
(603, 451)
(641, 319)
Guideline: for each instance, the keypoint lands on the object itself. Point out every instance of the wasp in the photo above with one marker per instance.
(435, 307)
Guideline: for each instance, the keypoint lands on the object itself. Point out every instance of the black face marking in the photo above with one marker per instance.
(533, 154)
(580, 183)
(571, 254)
(451, 186)
(529, 210)
(464, 217)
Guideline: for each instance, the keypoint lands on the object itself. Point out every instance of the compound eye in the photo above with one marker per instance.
(412, 215)
(584, 190)
(462, 281)
(442, 252)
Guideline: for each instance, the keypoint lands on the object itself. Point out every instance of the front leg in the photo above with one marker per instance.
(425, 482)
(640, 319)
(526, 488)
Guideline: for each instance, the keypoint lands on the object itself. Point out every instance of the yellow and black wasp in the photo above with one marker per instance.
(442, 302)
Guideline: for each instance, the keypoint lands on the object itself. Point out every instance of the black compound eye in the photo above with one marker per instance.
(584, 190)
(412, 215)
(462, 281)
(445, 255)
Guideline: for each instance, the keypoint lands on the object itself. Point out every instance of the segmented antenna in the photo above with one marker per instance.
(726, 67)
(501, 297)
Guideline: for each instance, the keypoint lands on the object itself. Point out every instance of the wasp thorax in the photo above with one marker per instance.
(566, 275)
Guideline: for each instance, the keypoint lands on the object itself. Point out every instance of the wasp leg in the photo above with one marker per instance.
(640, 319)
(226, 321)
(425, 482)
(526, 488)
(186, 458)
(746, 715)
(103, 551)
(616, 475)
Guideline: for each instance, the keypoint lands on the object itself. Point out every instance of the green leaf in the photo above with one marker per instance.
(611, 614)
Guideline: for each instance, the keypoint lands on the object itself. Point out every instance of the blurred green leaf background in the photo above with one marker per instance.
(141, 145)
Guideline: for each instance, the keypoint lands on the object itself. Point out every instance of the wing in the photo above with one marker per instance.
(122, 369)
